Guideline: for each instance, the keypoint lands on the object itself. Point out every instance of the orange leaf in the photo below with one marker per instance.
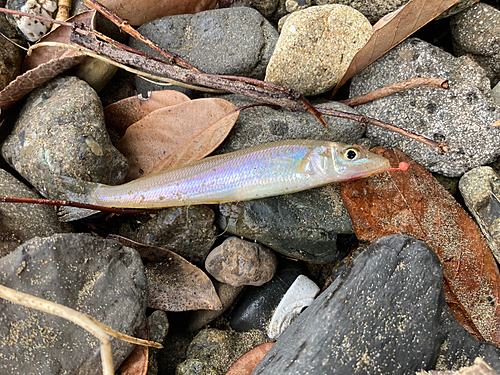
(182, 133)
(137, 362)
(249, 361)
(120, 115)
(392, 30)
(415, 204)
(45, 62)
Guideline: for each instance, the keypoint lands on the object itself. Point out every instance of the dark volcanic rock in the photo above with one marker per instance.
(386, 314)
(99, 278)
(302, 225)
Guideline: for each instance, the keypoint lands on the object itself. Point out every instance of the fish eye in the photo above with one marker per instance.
(351, 153)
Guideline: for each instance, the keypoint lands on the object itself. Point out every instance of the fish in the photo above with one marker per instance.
(261, 171)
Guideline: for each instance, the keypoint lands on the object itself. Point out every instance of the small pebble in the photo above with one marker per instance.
(316, 46)
(238, 262)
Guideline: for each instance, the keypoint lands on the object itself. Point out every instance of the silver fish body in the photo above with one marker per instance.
(262, 171)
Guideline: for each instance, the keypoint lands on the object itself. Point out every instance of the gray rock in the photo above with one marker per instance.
(303, 225)
(11, 56)
(480, 189)
(380, 316)
(495, 94)
(158, 330)
(262, 125)
(213, 351)
(187, 231)
(232, 41)
(96, 277)
(374, 10)
(174, 351)
(238, 262)
(21, 222)
(461, 116)
(227, 295)
(60, 132)
(476, 33)
(316, 46)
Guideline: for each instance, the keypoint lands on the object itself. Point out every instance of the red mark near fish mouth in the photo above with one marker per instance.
(403, 166)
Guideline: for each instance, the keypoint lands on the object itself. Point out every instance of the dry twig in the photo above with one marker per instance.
(397, 87)
(88, 323)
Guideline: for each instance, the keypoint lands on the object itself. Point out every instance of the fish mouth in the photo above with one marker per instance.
(384, 167)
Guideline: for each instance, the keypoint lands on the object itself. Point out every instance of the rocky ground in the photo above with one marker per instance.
(289, 268)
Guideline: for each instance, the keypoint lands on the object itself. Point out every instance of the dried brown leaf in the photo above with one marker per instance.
(415, 204)
(392, 29)
(174, 283)
(248, 361)
(142, 11)
(45, 63)
(120, 115)
(182, 133)
(44, 54)
(137, 361)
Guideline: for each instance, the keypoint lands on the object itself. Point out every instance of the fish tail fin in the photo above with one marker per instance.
(77, 191)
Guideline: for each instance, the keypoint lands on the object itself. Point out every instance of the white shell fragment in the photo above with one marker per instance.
(31, 28)
(300, 295)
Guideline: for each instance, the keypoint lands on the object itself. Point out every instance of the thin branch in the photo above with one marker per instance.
(397, 87)
(59, 202)
(45, 19)
(63, 9)
(441, 148)
(125, 26)
(88, 323)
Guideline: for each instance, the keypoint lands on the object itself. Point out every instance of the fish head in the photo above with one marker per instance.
(351, 162)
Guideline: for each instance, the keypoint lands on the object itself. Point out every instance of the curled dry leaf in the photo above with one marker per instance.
(45, 62)
(415, 204)
(174, 283)
(137, 362)
(392, 29)
(120, 115)
(176, 135)
(248, 361)
(140, 12)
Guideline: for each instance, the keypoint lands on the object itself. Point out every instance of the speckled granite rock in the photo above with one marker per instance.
(461, 116)
(22, 222)
(60, 132)
(476, 33)
(262, 125)
(495, 94)
(302, 225)
(213, 351)
(96, 277)
(233, 41)
(316, 46)
(238, 262)
(187, 231)
(380, 316)
(480, 189)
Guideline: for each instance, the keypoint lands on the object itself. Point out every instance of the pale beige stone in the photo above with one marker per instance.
(316, 46)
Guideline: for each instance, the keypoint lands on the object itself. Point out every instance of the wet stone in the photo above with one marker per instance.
(213, 351)
(461, 116)
(238, 262)
(187, 231)
(316, 46)
(414, 331)
(302, 225)
(227, 295)
(476, 33)
(97, 277)
(263, 125)
(60, 131)
(21, 222)
(480, 189)
(232, 41)
(158, 330)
